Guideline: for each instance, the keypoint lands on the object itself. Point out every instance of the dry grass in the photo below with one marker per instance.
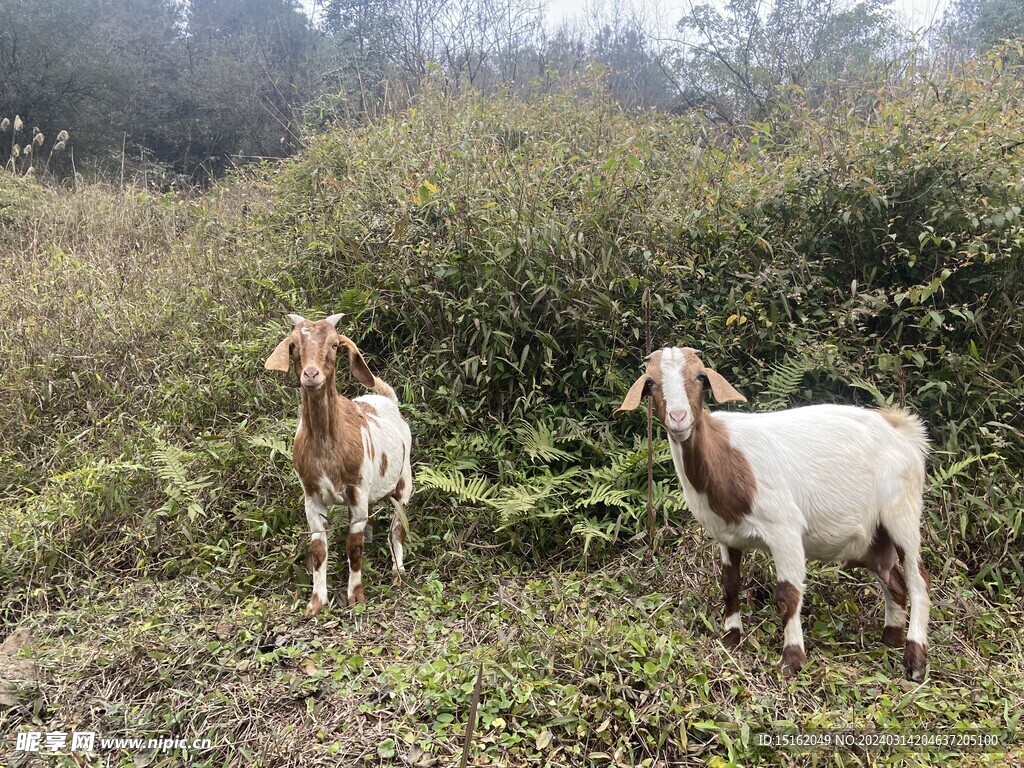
(619, 666)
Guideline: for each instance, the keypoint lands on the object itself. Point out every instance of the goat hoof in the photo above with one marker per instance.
(397, 577)
(893, 637)
(315, 604)
(793, 658)
(357, 597)
(731, 639)
(914, 661)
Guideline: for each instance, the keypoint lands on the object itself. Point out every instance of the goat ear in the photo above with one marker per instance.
(723, 391)
(357, 364)
(634, 396)
(280, 359)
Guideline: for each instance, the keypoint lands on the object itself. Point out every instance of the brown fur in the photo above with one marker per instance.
(914, 660)
(718, 470)
(397, 493)
(920, 568)
(882, 559)
(793, 659)
(712, 465)
(317, 554)
(324, 445)
(383, 464)
(893, 637)
(354, 550)
(352, 494)
(787, 600)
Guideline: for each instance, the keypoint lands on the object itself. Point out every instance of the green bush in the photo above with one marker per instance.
(498, 263)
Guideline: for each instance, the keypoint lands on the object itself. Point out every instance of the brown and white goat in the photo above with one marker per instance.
(353, 452)
(830, 482)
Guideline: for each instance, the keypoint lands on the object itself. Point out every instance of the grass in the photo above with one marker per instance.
(618, 665)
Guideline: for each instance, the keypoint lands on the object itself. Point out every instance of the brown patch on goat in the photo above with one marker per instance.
(924, 574)
(787, 600)
(893, 637)
(647, 385)
(317, 554)
(352, 494)
(914, 660)
(354, 549)
(793, 659)
(898, 586)
(358, 596)
(366, 407)
(718, 470)
(327, 445)
(713, 466)
(882, 559)
(383, 464)
(397, 493)
(731, 594)
(920, 567)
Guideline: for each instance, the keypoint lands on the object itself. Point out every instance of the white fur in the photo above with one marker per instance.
(827, 477)
(391, 436)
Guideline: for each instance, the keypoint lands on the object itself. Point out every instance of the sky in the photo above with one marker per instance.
(917, 15)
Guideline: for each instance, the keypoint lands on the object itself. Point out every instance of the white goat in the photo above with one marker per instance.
(830, 482)
(353, 452)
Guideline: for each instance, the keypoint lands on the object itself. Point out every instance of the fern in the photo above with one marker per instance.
(630, 464)
(275, 443)
(590, 529)
(783, 382)
(876, 395)
(539, 443)
(943, 475)
(452, 482)
(182, 490)
(604, 493)
(531, 499)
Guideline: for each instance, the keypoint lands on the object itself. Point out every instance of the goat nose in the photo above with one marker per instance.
(310, 373)
(677, 416)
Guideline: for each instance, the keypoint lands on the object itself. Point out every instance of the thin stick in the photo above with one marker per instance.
(471, 723)
(651, 522)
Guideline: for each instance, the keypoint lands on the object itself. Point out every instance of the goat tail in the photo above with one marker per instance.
(910, 426)
(383, 388)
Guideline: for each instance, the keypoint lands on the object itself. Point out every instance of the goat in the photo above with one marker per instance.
(353, 452)
(830, 482)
